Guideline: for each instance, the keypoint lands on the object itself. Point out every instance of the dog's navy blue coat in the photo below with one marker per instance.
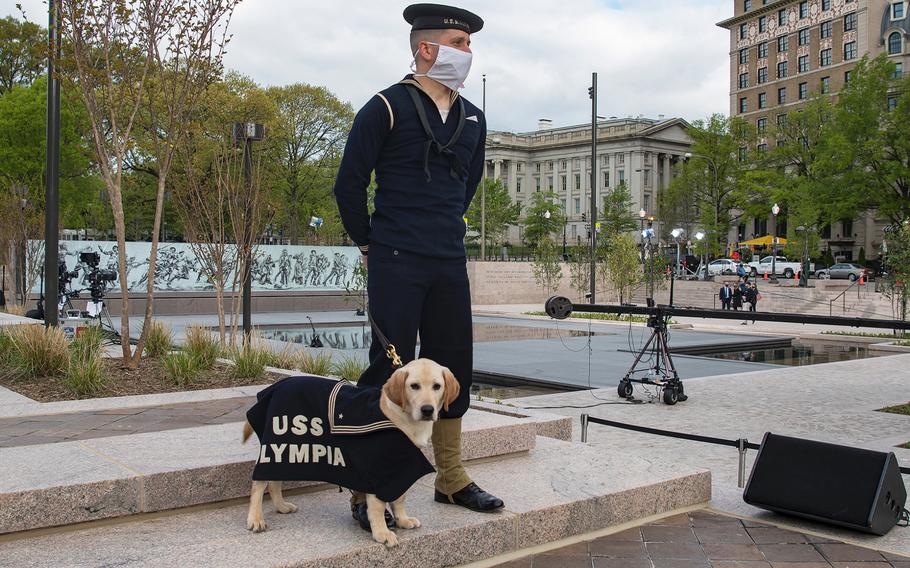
(360, 448)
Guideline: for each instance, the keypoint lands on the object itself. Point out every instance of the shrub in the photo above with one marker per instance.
(250, 361)
(159, 340)
(349, 368)
(181, 367)
(87, 344)
(15, 309)
(85, 376)
(317, 363)
(202, 345)
(38, 351)
(6, 351)
(284, 359)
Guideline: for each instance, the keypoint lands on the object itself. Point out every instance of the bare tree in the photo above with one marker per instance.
(116, 53)
(187, 58)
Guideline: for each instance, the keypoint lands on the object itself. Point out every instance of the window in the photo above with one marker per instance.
(826, 85)
(762, 148)
(549, 166)
(562, 204)
(850, 22)
(743, 80)
(537, 167)
(804, 36)
(622, 176)
(847, 225)
(762, 24)
(782, 121)
(562, 165)
(577, 181)
(743, 105)
(781, 143)
(606, 179)
(562, 181)
(826, 4)
(782, 17)
(747, 5)
(803, 91)
(898, 70)
(849, 50)
(763, 49)
(743, 56)
(646, 178)
(761, 124)
(518, 185)
(803, 63)
(894, 43)
(537, 182)
(827, 28)
(803, 9)
(622, 159)
(892, 102)
(743, 31)
(605, 160)
(897, 10)
(783, 44)
(742, 153)
(782, 95)
(782, 69)
(577, 205)
(847, 76)
(518, 167)
(825, 57)
(762, 100)
(762, 75)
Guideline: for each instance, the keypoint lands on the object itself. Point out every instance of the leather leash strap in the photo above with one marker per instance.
(389, 348)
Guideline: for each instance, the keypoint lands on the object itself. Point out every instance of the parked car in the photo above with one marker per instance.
(722, 266)
(781, 266)
(845, 270)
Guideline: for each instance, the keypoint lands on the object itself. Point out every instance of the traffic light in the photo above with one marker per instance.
(591, 93)
(584, 217)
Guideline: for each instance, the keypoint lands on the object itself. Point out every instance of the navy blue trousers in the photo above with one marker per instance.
(412, 294)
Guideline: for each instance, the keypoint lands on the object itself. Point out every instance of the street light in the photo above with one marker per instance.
(245, 133)
(676, 234)
(699, 236)
(804, 271)
(775, 209)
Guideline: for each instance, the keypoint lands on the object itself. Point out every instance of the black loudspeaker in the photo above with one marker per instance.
(850, 487)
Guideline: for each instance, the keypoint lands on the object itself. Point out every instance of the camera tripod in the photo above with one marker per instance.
(662, 372)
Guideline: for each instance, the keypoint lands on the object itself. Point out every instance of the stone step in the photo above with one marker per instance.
(70, 482)
(557, 490)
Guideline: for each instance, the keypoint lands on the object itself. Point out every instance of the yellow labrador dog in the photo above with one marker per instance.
(409, 401)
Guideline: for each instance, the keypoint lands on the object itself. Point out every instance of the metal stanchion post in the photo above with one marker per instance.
(743, 445)
(584, 428)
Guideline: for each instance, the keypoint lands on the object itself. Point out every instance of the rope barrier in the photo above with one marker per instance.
(741, 444)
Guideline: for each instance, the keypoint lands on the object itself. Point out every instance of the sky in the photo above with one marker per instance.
(652, 57)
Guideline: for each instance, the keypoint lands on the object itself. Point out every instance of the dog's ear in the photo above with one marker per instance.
(394, 387)
(451, 388)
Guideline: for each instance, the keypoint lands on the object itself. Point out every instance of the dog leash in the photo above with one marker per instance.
(389, 348)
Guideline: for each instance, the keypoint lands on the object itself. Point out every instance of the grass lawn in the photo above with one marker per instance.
(899, 409)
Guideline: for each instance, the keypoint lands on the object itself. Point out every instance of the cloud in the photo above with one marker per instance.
(652, 56)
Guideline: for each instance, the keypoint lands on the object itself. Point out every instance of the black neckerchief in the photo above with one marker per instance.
(455, 168)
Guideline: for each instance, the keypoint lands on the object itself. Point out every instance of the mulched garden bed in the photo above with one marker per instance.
(149, 378)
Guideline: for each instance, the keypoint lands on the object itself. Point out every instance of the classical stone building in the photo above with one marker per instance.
(638, 151)
(782, 51)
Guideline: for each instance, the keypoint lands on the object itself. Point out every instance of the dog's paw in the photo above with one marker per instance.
(407, 522)
(256, 525)
(286, 507)
(386, 537)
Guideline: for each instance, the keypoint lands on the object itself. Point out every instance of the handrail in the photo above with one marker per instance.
(844, 296)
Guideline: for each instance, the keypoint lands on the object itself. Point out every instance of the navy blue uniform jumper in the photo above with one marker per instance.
(417, 279)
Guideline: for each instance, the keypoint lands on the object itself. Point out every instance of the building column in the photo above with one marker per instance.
(497, 169)
(667, 172)
(513, 175)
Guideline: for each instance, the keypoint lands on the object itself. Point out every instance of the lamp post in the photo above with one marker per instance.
(775, 209)
(52, 164)
(804, 271)
(565, 223)
(246, 133)
(676, 234)
(699, 236)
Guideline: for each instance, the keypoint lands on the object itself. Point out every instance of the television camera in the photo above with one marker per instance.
(98, 278)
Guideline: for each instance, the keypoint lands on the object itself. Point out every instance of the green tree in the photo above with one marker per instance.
(311, 125)
(546, 267)
(501, 213)
(23, 49)
(624, 266)
(543, 218)
(617, 216)
(897, 260)
(715, 181)
(871, 122)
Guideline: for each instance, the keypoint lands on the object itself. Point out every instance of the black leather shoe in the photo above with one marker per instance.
(359, 513)
(471, 497)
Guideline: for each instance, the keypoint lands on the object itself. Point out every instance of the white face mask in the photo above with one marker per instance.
(451, 67)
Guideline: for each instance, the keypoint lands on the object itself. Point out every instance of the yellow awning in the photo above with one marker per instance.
(767, 240)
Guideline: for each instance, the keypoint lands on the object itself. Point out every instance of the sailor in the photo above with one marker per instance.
(425, 143)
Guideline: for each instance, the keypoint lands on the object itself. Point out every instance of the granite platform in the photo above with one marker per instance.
(554, 491)
(44, 485)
